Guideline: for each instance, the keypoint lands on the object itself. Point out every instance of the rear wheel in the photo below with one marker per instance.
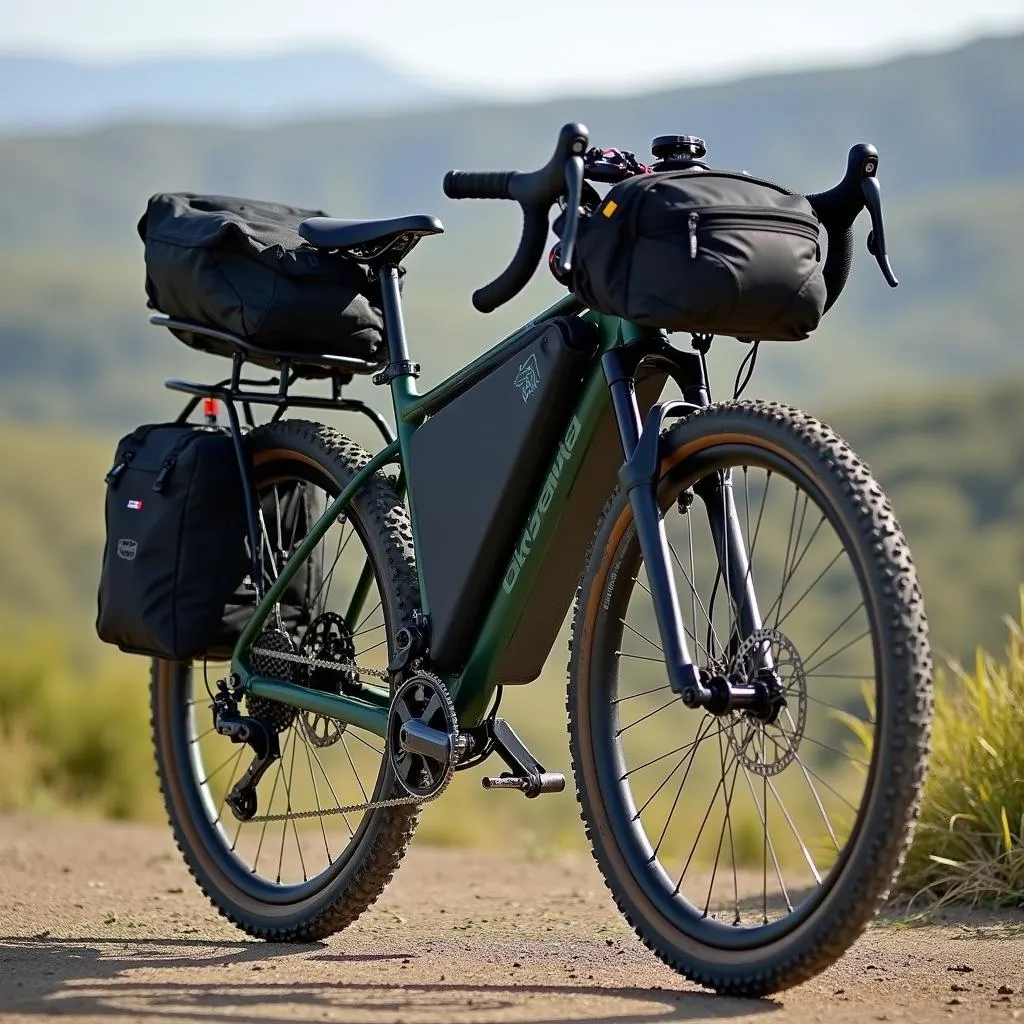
(749, 850)
(316, 869)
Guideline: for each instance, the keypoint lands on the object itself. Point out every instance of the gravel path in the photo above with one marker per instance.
(101, 922)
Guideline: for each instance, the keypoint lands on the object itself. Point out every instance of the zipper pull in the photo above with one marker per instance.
(694, 218)
(118, 471)
(165, 472)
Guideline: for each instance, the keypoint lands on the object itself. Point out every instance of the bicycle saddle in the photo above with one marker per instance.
(371, 237)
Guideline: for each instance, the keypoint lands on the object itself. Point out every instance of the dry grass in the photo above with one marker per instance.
(970, 841)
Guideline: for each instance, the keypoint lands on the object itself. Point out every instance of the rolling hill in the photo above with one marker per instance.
(73, 339)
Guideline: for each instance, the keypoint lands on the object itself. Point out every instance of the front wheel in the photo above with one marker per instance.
(749, 850)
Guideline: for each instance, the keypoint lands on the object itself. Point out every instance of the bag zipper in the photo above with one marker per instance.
(798, 224)
(116, 473)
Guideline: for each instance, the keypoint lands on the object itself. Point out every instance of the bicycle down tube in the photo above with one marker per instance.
(472, 688)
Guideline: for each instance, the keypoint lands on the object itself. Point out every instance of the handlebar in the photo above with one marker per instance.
(839, 207)
(563, 175)
(535, 192)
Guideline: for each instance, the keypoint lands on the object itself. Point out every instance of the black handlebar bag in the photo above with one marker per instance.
(704, 251)
(240, 265)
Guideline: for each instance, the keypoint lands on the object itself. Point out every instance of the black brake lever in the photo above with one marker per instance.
(872, 192)
(573, 198)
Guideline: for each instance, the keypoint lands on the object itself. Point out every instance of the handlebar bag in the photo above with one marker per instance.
(704, 251)
(240, 265)
(175, 549)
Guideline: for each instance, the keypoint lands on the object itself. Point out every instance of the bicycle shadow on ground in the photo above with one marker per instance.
(93, 978)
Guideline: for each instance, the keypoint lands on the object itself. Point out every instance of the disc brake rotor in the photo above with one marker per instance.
(768, 748)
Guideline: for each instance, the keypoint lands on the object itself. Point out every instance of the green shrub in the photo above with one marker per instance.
(74, 736)
(970, 840)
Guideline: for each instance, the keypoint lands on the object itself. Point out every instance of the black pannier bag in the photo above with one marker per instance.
(240, 265)
(175, 548)
(704, 251)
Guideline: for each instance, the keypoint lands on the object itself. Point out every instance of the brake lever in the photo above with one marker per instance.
(872, 193)
(573, 198)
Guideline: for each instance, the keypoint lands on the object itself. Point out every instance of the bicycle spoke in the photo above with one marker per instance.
(359, 781)
(337, 802)
(270, 804)
(682, 782)
(726, 823)
(639, 634)
(649, 714)
(814, 792)
(362, 622)
(796, 565)
(817, 580)
(227, 788)
(660, 757)
(701, 731)
(803, 848)
(700, 831)
(686, 630)
(316, 798)
(288, 792)
(769, 847)
(372, 647)
(644, 693)
(856, 640)
(700, 603)
(366, 743)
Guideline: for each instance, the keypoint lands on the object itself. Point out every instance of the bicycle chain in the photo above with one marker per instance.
(337, 666)
(371, 805)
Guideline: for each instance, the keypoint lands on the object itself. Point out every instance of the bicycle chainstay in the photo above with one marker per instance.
(370, 805)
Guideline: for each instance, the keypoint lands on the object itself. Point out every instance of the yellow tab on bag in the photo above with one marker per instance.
(610, 208)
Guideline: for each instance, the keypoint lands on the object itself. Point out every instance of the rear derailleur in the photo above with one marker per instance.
(227, 721)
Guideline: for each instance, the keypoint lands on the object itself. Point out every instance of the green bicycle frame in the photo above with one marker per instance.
(472, 689)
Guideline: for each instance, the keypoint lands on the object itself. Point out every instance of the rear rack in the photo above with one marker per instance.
(289, 367)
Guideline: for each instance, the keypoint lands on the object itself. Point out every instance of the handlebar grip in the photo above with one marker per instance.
(478, 184)
(517, 274)
(837, 265)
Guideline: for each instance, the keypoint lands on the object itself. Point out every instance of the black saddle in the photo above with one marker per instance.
(370, 240)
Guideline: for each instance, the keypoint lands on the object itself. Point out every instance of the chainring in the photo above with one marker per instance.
(423, 697)
(274, 714)
(768, 748)
(328, 639)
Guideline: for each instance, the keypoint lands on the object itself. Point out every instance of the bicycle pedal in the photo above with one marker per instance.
(529, 785)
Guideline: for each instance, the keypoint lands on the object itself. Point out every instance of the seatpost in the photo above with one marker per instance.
(394, 325)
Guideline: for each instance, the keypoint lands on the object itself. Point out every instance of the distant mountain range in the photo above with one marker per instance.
(74, 344)
(45, 94)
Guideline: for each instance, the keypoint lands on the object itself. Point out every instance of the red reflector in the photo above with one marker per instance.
(210, 406)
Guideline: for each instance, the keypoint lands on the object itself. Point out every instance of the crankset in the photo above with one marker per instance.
(423, 736)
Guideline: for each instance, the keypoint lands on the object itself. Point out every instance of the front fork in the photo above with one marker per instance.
(697, 687)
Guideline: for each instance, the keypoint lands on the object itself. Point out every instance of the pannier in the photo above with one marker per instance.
(175, 548)
(704, 251)
(175, 576)
(239, 265)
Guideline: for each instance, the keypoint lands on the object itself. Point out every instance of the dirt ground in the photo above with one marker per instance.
(101, 922)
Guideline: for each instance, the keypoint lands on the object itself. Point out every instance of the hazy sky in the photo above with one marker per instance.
(517, 47)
